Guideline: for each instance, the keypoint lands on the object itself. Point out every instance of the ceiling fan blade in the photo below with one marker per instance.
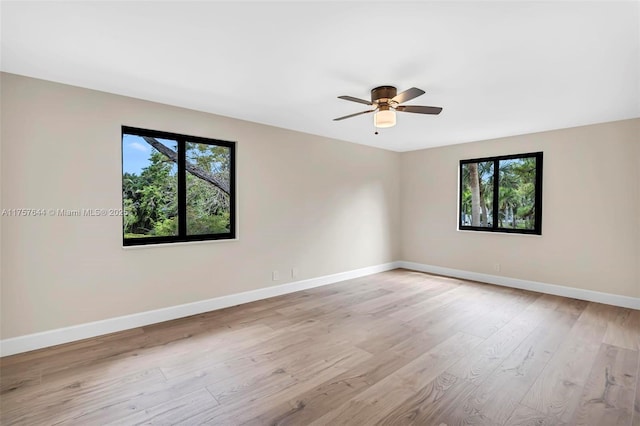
(419, 109)
(352, 99)
(353, 115)
(407, 95)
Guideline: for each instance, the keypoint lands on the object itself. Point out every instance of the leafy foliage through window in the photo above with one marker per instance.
(176, 187)
(502, 194)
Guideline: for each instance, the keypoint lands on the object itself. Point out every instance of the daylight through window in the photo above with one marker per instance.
(176, 188)
(502, 194)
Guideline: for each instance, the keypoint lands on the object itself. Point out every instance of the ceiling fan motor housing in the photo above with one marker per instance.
(385, 101)
(384, 93)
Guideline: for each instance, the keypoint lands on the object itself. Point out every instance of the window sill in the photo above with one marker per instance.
(469, 231)
(182, 243)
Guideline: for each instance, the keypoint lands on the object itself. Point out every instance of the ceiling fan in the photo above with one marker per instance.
(385, 101)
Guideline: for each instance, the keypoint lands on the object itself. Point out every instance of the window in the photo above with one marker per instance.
(502, 194)
(176, 188)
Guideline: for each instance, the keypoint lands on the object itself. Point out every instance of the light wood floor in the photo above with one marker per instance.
(395, 348)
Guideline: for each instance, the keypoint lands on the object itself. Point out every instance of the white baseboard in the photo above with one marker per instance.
(59, 336)
(558, 290)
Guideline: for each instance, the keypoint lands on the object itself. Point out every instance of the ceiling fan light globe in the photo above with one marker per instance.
(384, 118)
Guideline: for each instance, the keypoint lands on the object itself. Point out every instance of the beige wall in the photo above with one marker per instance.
(320, 205)
(590, 220)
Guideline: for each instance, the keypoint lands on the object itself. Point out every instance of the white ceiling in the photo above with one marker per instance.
(497, 68)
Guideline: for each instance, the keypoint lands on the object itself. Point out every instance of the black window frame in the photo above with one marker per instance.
(496, 189)
(181, 140)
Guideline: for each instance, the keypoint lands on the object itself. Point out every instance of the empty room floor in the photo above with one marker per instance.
(398, 347)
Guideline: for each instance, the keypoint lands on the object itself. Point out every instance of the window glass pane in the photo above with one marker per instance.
(517, 193)
(149, 187)
(477, 194)
(208, 178)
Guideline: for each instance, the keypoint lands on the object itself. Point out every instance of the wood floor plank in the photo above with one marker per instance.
(623, 328)
(477, 366)
(285, 371)
(243, 411)
(159, 394)
(438, 301)
(170, 412)
(331, 302)
(428, 366)
(464, 314)
(19, 379)
(609, 393)
(64, 349)
(227, 351)
(558, 388)
(180, 341)
(571, 306)
(373, 334)
(491, 322)
(315, 403)
(636, 405)
(233, 384)
(420, 342)
(454, 317)
(441, 401)
(385, 337)
(75, 400)
(525, 416)
(378, 400)
(395, 301)
(26, 369)
(179, 351)
(520, 369)
(452, 400)
(398, 347)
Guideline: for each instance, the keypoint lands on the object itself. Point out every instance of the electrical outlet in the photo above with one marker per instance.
(294, 272)
(496, 267)
(275, 275)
